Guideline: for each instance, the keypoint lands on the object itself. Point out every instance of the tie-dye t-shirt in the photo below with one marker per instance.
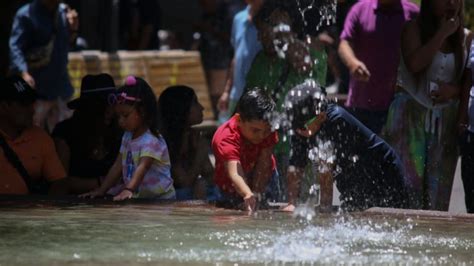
(157, 182)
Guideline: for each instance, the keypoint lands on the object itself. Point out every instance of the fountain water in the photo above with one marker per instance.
(100, 233)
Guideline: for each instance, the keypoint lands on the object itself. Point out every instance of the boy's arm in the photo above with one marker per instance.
(237, 176)
(143, 166)
(236, 173)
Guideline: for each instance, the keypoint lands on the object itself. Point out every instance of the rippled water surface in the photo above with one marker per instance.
(196, 234)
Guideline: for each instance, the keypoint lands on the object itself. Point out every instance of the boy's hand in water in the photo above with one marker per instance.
(92, 194)
(250, 203)
(125, 194)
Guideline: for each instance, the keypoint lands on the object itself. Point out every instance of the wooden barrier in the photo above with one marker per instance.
(159, 68)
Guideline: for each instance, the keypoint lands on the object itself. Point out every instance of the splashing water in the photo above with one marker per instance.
(327, 12)
(307, 210)
(197, 235)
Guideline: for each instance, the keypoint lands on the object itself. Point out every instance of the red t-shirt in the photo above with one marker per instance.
(228, 144)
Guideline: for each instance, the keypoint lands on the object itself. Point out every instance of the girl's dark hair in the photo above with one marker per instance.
(428, 26)
(174, 105)
(139, 88)
(90, 113)
(256, 105)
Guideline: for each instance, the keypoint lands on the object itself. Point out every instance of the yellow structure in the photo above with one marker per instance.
(159, 68)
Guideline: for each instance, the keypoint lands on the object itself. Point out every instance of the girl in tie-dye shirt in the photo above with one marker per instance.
(143, 163)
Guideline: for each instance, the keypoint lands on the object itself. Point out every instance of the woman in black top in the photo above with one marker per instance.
(88, 142)
(191, 168)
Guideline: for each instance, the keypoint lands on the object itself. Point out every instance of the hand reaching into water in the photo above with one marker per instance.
(250, 203)
(125, 194)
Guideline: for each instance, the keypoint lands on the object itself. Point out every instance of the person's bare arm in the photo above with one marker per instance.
(356, 67)
(73, 23)
(223, 103)
(143, 166)
(237, 176)
(416, 55)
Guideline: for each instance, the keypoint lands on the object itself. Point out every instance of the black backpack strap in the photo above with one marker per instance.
(16, 162)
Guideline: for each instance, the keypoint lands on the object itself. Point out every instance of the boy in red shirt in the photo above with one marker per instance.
(243, 148)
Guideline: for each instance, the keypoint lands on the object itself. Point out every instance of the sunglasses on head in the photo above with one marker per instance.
(120, 98)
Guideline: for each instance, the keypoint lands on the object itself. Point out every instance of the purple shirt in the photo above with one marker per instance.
(375, 34)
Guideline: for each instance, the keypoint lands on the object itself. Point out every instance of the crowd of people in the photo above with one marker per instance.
(408, 116)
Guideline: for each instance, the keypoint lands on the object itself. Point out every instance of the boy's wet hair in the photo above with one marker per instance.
(304, 102)
(147, 105)
(255, 104)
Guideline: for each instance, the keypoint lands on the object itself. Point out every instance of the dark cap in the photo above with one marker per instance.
(304, 102)
(94, 87)
(15, 89)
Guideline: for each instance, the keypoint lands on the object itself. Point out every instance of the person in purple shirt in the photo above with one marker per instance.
(370, 48)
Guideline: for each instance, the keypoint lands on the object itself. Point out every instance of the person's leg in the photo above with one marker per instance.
(405, 133)
(467, 169)
(441, 160)
(273, 189)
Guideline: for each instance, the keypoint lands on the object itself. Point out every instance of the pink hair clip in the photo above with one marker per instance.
(120, 98)
(130, 81)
